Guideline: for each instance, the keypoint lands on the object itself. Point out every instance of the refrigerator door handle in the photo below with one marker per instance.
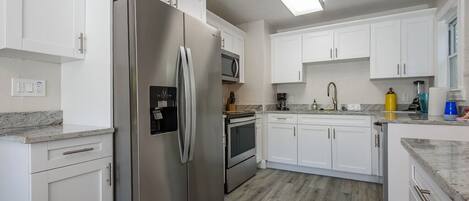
(182, 81)
(193, 103)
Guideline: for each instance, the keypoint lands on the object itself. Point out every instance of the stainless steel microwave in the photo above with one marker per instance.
(230, 66)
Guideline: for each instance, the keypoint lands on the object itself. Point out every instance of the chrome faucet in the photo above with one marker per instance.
(334, 97)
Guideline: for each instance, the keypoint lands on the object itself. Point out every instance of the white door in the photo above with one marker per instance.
(318, 46)
(226, 41)
(54, 27)
(195, 8)
(352, 42)
(385, 56)
(282, 143)
(286, 59)
(90, 181)
(351, 150)
(314, 146)
(417, 47)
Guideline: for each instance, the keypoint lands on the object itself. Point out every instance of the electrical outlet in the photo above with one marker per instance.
(28, 87)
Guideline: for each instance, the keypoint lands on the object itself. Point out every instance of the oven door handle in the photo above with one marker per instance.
(241, 123)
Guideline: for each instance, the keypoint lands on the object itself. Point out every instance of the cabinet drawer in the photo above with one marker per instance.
(283, 118)
(420, 180)
(55, 154)
(335, 120)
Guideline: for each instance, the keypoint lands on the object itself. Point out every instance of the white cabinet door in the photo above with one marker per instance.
(90, 181)
(314, 146)
(351, 149)
(282, 143)
(318, 46)
(286, 59)
(227, 41)
(53, 27)
(352, 42)
(417, 47)
(195, 8)
(385, 55)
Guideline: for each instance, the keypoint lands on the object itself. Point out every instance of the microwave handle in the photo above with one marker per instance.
(237, 68)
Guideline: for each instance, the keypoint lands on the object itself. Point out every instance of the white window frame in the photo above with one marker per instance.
(445, 15)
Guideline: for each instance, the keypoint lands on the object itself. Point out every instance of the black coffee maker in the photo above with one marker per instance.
(282, 101)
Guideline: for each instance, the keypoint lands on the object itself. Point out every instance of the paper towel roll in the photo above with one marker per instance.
(436, 102)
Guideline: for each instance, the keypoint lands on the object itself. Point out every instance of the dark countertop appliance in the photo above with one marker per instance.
(282, 101)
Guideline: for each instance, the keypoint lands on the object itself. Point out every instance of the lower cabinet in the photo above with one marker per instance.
(314, 146)
(322, 143)
(282, 143)
(351, 149)
(90, 181)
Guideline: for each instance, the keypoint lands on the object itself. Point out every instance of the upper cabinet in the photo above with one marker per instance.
(398, 46)
(402, 48)
(346, 43)
(232, 39)
(287, 66)
(195, 8)
(55, 32)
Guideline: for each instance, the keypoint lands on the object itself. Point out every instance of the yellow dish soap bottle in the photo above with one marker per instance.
(391, 101)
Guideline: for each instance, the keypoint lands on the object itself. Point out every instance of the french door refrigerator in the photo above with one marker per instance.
(167, 105)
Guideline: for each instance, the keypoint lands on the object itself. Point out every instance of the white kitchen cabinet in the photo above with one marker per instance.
(417, 47)
(351, 149)
(402, 48)
(90, 181)
(352, 42)
(55, 32)
(314, 146)
(282, 143)
(287, 65)
(72, 169)
(338, 44)
(227, 41)
(385, 55)
(195, 8)
(318, 46)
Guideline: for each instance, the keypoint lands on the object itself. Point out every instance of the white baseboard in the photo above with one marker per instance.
(324, 172)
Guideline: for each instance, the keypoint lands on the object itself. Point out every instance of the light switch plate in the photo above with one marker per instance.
(28, 87)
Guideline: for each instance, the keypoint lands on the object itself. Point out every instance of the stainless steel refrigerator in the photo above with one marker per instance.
(167, 105)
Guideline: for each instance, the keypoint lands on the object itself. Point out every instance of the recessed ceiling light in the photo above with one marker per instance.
(301, 7)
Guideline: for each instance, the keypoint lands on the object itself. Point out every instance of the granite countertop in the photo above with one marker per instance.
(31, 135)
(384, 117)
(447, 162)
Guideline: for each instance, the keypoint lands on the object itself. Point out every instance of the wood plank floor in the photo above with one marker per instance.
(278, 185)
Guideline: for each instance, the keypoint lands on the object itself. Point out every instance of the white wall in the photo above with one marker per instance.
(19, 68)
(257, 89)
(353, 83)
(86, 85)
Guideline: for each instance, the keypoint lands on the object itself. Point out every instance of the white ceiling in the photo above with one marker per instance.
(276, 14)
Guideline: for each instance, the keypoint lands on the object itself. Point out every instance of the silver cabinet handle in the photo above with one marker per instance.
(421, 193)
(294, 131)
(299, 75)
(331, 53)
(281, 118)
(77, 151)
(109, 180)
(405, 70)
(377, 143)
(328, 133)
(336, 53)
(193, 102)
(333, 133)
(398, 69)
(82, 43)
(223, 43)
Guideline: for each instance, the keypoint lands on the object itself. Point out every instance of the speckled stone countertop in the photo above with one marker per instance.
(447, 162)
(384, 117)
(31, 135)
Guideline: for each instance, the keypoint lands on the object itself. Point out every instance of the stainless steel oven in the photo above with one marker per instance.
(230, 66)
(240, 151)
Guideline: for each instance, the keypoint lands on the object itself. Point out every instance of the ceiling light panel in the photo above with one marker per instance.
(301, 7)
